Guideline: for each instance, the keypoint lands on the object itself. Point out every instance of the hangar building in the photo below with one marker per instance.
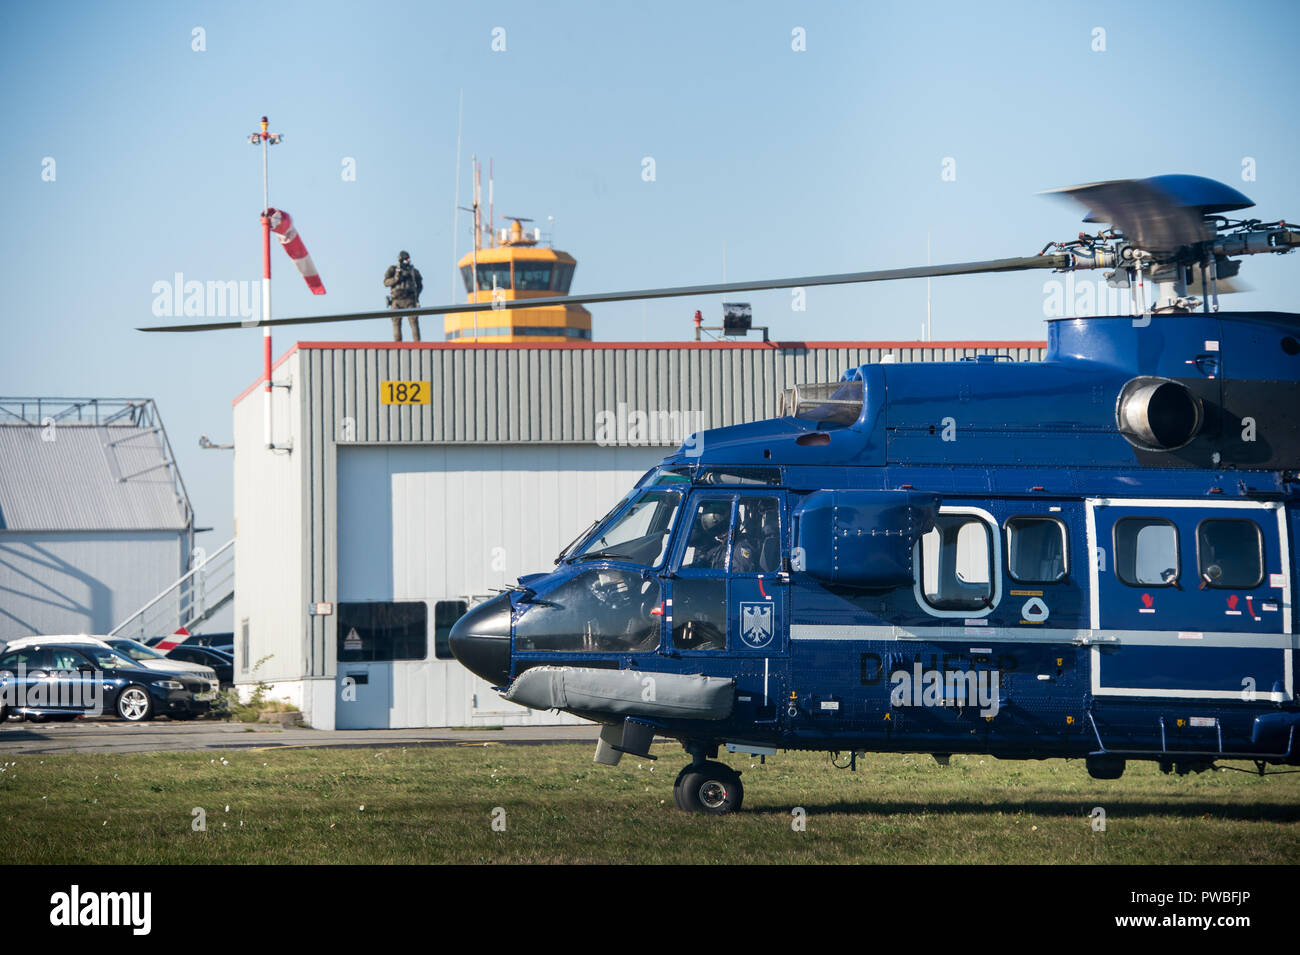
(94, 518)
(405, 481)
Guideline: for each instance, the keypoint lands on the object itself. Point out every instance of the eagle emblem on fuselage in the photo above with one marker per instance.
(756, 624)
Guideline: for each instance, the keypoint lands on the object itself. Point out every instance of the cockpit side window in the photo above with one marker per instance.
(710, 535)
(638, 533)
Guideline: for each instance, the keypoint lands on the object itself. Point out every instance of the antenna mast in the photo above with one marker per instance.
(929, 332)
(455, 212)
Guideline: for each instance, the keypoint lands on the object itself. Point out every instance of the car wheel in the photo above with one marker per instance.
(134, 704)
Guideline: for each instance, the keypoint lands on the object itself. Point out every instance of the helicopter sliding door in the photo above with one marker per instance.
(1190, 599)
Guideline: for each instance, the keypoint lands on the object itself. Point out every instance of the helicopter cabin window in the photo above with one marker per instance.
(639, 533)
(445, 615)
(493, 275)
(1036, 550)
(603, 610)
(533, 276)
(382, 631)
(1229, 554)
(956, 564)
(563, 277)
(1146, 552)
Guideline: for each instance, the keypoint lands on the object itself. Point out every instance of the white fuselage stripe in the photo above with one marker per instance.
(1141, 638)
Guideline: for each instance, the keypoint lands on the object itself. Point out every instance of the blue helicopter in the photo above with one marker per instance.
(1084, 557)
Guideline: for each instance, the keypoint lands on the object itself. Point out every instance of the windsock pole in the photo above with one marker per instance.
(266, 139)
(266, 288)
(266, 328)
(281, 223)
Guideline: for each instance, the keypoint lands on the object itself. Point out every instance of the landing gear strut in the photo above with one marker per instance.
(708, 787)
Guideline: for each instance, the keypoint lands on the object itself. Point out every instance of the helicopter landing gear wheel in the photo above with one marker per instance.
(712, 788)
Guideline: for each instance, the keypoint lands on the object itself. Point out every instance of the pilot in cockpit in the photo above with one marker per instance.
(758, 544)
(710, 535)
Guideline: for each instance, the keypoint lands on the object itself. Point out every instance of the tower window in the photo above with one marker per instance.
(533, 276)
(563, 277)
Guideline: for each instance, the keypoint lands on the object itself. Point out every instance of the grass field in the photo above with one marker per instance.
(436, 805)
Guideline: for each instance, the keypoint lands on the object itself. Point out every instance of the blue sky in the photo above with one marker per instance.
(822, 160)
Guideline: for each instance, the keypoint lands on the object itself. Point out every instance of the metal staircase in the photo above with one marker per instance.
(187, 603)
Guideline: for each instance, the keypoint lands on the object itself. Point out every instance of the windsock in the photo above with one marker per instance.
(282, 226)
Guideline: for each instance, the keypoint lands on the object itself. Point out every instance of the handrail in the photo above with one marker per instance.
(188, 598)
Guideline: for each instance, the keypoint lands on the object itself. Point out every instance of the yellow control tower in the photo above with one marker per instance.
(516, 266)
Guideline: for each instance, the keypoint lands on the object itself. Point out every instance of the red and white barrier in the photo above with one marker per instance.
(175, 640)
(282, 226)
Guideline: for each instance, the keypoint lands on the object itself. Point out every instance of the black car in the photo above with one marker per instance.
(223, 663)
(64, 681)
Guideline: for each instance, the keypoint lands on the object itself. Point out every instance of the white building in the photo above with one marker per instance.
(94, 518)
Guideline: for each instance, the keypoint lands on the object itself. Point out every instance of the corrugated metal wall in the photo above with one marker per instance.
(516, 395)
(82, 582)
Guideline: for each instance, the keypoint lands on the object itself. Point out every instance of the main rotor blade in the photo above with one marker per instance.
(1055, 261)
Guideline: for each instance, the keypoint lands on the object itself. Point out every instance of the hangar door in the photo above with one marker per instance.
(424, 532)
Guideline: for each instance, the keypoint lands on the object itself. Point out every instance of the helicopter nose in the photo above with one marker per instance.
(480, 640)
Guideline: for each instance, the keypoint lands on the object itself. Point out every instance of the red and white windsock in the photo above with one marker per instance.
(282, 226)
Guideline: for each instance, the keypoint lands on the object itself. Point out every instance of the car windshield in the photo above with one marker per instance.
(638, 532)
(107, 659)
(136, 651)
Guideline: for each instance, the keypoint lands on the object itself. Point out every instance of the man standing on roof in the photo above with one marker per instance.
(406, 284)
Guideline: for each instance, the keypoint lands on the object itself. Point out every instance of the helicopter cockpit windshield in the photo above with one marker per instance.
(637, 532)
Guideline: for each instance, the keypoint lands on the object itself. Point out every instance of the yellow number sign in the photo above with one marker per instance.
(404, 392)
